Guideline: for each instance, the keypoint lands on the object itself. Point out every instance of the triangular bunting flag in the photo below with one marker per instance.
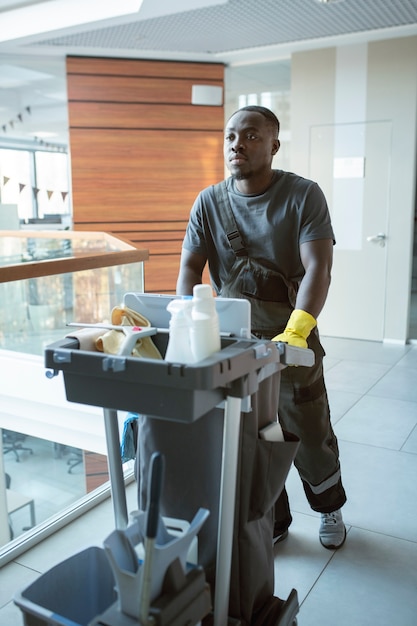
(49, 194)
(21, 187)
(64, 195)
(35, 191)
(5, 179)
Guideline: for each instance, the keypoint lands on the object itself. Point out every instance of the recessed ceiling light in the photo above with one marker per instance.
(44, 17)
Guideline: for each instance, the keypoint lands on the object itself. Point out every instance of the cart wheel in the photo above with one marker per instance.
(289, 610)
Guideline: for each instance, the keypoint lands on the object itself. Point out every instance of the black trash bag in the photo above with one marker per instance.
(193, 454)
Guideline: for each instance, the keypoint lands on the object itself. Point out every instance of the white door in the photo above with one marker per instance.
(351, 163)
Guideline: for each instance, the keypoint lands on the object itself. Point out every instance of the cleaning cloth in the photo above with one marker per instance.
(112, 340)
(129, 441)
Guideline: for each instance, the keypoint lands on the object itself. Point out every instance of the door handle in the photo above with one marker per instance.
(379, 239)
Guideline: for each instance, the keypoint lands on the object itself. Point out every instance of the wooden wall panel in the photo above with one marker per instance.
(150, 229)
(133, 67)
(164, 272)
(140, 152)
(133, 89)
(159, 117)
(146, 179)
(96, 470)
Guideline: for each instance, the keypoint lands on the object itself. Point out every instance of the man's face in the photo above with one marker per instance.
(249, 144)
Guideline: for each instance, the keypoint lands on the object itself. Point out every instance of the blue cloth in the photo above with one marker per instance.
(129, 438)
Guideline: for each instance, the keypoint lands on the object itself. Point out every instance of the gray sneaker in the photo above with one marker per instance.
(332, 531)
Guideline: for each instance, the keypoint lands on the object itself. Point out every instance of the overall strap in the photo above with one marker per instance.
(228, 219)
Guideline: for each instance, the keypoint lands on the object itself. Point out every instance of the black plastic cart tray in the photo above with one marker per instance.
(163, 389)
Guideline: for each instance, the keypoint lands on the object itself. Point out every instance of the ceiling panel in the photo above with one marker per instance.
(244, 24)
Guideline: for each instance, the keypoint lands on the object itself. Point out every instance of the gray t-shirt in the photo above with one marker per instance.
(293, 210)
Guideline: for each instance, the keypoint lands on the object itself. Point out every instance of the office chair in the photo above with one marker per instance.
(12, 442)
(75, 459)
(8, 483)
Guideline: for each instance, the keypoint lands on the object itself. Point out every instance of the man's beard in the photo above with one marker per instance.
(240, 175)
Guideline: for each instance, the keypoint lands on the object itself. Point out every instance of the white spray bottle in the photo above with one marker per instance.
(179, 347)
(205, 332)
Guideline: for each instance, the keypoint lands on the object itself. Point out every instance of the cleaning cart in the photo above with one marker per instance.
(184, 397)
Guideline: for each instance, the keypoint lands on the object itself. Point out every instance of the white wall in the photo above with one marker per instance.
(392, 88)
(367, 83)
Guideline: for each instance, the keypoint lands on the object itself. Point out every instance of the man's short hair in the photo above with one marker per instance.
(267, 113)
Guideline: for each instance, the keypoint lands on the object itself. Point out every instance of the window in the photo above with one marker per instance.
(15, 169)
(51, 170)
(35, 180)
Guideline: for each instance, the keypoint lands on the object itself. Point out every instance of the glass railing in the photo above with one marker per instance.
(53, 464)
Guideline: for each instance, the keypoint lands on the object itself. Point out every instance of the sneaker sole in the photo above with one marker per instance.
(280, 538)
(332, 547)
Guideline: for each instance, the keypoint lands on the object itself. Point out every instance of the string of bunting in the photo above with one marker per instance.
(12, 122)
(36, 190)
(20, 118)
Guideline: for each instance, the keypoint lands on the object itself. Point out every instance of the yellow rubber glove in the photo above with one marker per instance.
(298, 328)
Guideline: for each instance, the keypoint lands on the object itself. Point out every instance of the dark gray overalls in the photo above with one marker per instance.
(303, 405)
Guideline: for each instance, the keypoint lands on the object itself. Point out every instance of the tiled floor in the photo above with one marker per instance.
(372, 580)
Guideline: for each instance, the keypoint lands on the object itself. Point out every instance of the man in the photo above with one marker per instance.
(267, 237)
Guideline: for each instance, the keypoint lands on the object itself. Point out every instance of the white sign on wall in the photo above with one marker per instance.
(349, 167)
